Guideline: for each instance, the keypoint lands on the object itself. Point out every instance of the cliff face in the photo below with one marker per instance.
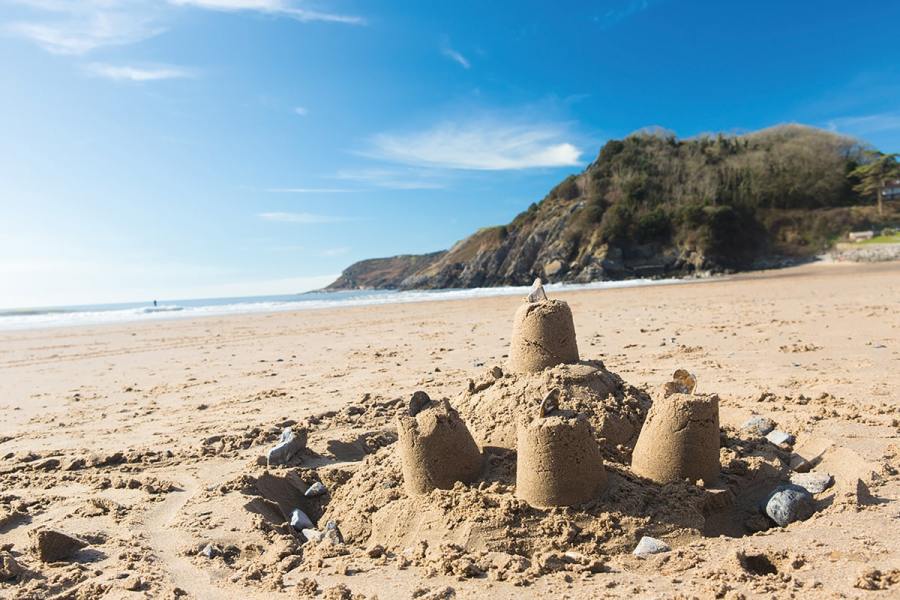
(651, 205)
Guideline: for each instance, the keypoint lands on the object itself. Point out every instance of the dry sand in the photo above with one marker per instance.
(143, 441)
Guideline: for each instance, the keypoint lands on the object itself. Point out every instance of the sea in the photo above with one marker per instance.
(98, 314)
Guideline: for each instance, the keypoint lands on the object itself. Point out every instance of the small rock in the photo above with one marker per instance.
(375, 551)
(312, 535)
(497, 372)
(789, 503)
(758, 425)
(300, 521)
(291, 443)
(418, 402)
(814, 483)
(649, 545)
(316, 489)
(9, 568)
(332, 534)
(780, 438)
(210, 551)
(800, 464)
(54, 546)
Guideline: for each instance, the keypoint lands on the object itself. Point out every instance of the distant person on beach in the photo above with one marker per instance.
(154, 303)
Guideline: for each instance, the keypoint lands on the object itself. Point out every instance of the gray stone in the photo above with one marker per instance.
(758, 425)
(332, 534)
(300, 521)
(210, 551)
(814, 483)
(313, 535)
(291, 443)
(649, 545)
(316, 489)
(780, 438)
(789, 503)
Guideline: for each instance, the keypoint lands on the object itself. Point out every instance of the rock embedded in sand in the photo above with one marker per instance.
(558, 460)
(543, 336)
(789, 503)
(679, 440)
(9, 568)
(53, 546)
(814, 483)
(291, 442)
(758, 425)
(436, 449)
(315, 490)
(312, 535)
(649, 545)
(300, 520)
(780, 438)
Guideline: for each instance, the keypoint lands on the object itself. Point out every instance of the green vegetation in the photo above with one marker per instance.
(893, 238)
(872, 174)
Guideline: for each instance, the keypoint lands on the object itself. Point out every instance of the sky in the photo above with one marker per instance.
(209, 148)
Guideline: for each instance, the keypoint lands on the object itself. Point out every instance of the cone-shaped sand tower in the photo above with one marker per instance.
(558, 462)
(680, 438)
(436, 448)
(543, 334)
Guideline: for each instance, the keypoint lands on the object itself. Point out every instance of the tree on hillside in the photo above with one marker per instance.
(873, 174)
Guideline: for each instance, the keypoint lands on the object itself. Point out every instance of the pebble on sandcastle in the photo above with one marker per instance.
(543, 334)
(559, 461)
(436, 447)
(680, 438)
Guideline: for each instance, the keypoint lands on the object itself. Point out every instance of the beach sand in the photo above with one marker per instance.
(140, 438)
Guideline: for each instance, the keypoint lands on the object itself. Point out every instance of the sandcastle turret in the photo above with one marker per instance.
(680, 438)
(436, 448)
(558, 462)
(543, 334)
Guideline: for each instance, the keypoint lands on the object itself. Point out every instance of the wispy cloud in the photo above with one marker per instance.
(138, 74)
(456, 56)
(393, 179)
(304, 218)
(301, 110)
(866, 124)
(274, 7)
(339, 251)
(620, 10)
(299, 190)
(487, 144)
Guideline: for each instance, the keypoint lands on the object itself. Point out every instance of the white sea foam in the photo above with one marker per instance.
(38, 319)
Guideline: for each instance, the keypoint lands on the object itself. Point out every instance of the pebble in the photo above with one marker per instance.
(759, 425)
(210, 551)
(291, 443)
(814, 483)
(316, 489)
(789, 503)
(780, 438)
(332, 533)
(649, 545)
(312, 535)
(300, 521)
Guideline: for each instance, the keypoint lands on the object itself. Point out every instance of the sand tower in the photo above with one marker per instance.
(543, 334)
(559, 462)
(436, 448)
(680, 438)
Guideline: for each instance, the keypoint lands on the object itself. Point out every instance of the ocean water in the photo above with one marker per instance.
(97, 314)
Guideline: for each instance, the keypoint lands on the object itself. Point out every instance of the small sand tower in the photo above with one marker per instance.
(543, 334)
(436, 448)
(680, 438)
(559, 462)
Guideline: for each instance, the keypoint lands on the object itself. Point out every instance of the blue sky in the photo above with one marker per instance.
(194, 148)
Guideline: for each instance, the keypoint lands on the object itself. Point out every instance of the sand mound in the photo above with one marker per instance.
(679, 439)
(493, 402)
(558, 462)
(543, 336)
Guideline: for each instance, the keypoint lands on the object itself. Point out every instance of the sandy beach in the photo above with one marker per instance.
(144, 441)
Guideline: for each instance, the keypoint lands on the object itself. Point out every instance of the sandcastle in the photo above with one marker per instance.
(543, 334)
(559, 462)
(436, 448)
(680, 438)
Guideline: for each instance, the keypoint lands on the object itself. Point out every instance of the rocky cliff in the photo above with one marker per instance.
(652, 205)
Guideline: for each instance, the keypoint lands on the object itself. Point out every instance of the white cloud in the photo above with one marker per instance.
(301, 110)
(866, 124)
(457, 57)
(274, 7)
(393, 179)
(133, 73)
(340, 251)
(308, 190)
(305, 218)
(488, 145)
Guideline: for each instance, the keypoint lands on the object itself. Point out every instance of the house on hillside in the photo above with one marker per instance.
(891, 189)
